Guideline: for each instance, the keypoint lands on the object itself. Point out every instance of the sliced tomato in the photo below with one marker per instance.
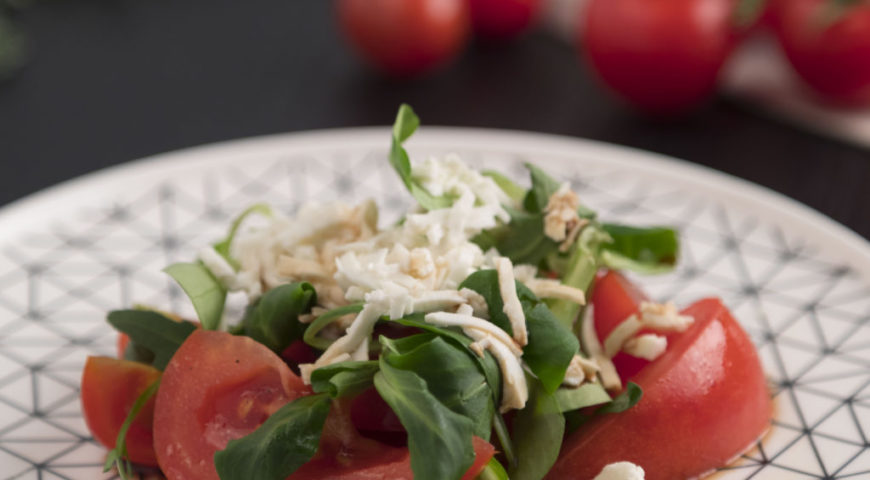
(705, 401)
(123, 341)
(109, 389)
(346, 455)
(615, 298)
(217, 387)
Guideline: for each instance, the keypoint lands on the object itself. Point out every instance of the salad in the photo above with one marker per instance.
(486, 335)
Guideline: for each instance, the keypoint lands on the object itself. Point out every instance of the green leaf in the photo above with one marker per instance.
(485, 282)
(310, 337)
(585, 395)
(153, 331)
(537, 433)
(543, 187)
(274, 319)
(405, 125)
(439, 439)
(579, 271)
(344, 379)
(117, 456)
(284, 442)
(487, 365)
(508, 186)
(223, 247)
(648, 250)
(205, 291)
(493, 471)
(551, 347)
(503, 435)
(625, 400)
(526, 242)
(451, 375)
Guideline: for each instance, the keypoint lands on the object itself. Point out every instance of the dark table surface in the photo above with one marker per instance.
(112, 81)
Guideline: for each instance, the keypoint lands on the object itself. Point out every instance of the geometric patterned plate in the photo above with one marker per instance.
(798, 282)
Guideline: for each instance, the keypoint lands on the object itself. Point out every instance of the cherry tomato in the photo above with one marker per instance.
(662, 56)
(109, 389)
(615, 298)
(705, 400)
(345, 455)
(217, 387)
(503, 19)
(834, 59)
(406, 37)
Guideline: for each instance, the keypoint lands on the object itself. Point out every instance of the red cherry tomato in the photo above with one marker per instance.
(217, 387)
(109, 389)
(662, 56)
(704, 401)
(406, 37)
(834, 59)
(615, 298)
(503, 19)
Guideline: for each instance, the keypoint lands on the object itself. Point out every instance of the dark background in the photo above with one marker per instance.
(112, 80)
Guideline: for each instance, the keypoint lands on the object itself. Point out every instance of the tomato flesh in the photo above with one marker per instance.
(217, 387)
(108, 390)
(705, 401)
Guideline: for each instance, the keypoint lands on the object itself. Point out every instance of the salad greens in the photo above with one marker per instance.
(206, 293)
(439, 438)
(283, 443)
(443, 391)
(151, 331)
(274, 319)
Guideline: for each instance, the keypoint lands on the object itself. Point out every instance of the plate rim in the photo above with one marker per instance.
(18, 216)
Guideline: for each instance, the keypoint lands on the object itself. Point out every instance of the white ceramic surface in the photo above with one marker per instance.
(796, 280)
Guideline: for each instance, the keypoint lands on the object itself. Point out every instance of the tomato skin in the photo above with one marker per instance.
(832, 61)
(661, 56)
(615, 298)
(503, 19)
(405, 37)
(108, 390)
(216, 388)
(122, 342)
(705, 400)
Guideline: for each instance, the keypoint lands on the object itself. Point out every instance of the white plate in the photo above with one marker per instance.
(796, 280)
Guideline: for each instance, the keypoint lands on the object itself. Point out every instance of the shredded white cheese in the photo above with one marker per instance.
(620, 334)
(549, 288)
(515, 390)
(512, 307)
(647, 346)
(664, 317)
(621, 471)
(579, 370)
(589, 339)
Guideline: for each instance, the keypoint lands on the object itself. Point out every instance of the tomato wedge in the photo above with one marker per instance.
(109, 389)
(705, 401)
(217, 387)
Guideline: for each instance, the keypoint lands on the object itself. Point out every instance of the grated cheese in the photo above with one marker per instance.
(512, 307)
(589, 339)
(579, 370)
(621, 471)
(647, 346)
(664, 317)
(619, 335)
(548, 288)
(515, 390)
